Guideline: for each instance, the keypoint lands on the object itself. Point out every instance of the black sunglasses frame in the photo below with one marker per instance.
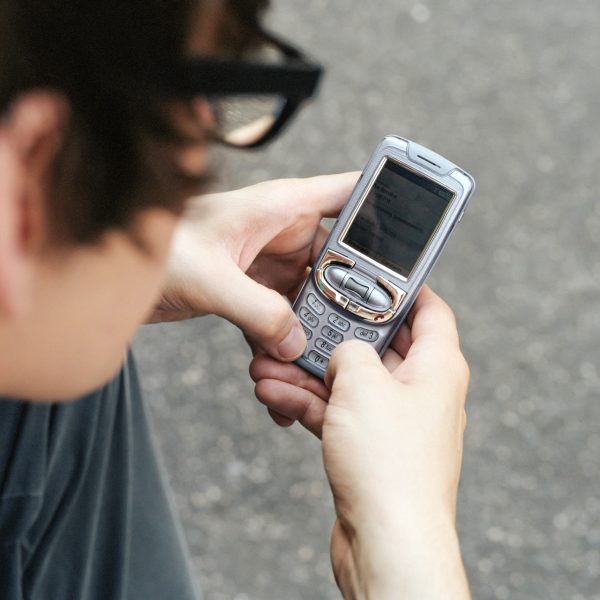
(295, 81)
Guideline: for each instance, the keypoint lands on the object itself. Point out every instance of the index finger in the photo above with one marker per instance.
(434, 352)
(326, 194)
(430, 316)
(332, 191)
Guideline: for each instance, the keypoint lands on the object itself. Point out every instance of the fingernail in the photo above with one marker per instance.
(293, 345)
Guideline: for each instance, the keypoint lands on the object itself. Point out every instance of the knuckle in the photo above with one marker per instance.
(444, 306)
(259, 391)
(265, 391)
(447, 314)
(444, 309)
(436, 299)
(254, 369)
(463, 370)
(278, 321)
(456, 364)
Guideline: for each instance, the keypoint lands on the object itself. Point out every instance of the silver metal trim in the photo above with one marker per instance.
(331, 256)
(462, 178)
(395, 292)
(359, 204)
(372, 316)
(399, 142)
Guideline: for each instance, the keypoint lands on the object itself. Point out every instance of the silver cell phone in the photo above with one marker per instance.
(405, 206)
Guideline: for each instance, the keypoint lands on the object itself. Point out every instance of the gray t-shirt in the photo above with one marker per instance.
(84, 512)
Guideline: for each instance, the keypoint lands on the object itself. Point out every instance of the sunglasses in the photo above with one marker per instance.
(250, 100)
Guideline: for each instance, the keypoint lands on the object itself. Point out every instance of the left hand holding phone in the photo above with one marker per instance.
(239, 254)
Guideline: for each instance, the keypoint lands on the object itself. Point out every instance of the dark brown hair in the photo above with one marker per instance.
(119, 153)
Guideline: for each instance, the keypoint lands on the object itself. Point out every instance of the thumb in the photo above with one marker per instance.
(263, 314)
(353, 361)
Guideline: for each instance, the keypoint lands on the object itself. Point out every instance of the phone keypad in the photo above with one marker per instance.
(320, 348)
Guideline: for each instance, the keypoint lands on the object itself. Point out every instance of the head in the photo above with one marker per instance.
(95, 168)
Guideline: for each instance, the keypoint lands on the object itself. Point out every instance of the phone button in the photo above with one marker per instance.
(356, 287)
(338, 322)
(379, 300)
(307, 332)
(310, 319)
(317, 359)
(332, 334)
(366, 334)
(324, 346)
(315, 304)
(335, 275)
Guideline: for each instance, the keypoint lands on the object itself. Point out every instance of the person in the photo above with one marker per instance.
(107, 111)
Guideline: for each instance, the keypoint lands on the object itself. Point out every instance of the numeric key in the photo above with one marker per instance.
(366, 334)
(332, 335)
(308, 317)
(338, 322)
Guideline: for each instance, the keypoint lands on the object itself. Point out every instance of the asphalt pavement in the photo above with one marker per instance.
(509, 90)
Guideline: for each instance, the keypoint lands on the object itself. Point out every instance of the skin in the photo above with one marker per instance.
(64, 328)
(260, 240)
(75, 294)
(392, 436)
(392, 432)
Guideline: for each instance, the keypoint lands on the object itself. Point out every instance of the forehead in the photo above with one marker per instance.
(219, 28)
(204, 33)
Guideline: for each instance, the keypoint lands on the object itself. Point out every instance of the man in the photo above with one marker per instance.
(106, 114)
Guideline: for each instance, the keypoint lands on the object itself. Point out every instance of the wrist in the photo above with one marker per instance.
(420, 559)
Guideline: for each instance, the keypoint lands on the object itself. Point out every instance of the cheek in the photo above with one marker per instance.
(132, 290)
(85, 311)
(144, 277)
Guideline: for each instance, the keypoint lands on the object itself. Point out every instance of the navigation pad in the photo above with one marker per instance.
(344, 280)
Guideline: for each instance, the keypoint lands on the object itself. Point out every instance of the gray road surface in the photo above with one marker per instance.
(510, 90)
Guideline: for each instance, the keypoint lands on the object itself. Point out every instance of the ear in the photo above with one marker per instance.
(30, 136)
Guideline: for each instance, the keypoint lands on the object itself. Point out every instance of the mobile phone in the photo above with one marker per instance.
(387, 238)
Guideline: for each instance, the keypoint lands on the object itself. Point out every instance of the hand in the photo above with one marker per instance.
(392, 446)
(238, 254)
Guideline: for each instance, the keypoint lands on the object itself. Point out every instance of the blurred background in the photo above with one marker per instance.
(510, 91)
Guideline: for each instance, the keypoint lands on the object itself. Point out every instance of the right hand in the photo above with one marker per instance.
(392, 448)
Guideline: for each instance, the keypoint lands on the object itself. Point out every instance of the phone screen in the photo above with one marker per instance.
(397, 218)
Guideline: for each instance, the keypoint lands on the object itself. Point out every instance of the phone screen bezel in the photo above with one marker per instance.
(362, 199)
